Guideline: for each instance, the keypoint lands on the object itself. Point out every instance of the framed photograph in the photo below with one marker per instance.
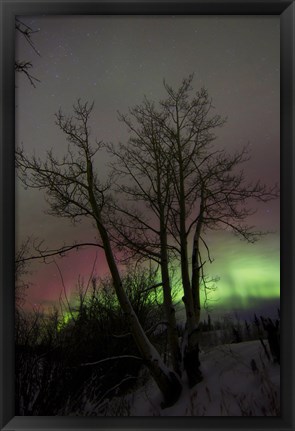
(147, 215)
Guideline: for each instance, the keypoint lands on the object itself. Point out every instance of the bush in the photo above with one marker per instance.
(65, 361)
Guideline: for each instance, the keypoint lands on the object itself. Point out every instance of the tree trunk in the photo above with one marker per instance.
(169, 307)
(191, 360)
(167, 380)
(173, 343)
(196, 262)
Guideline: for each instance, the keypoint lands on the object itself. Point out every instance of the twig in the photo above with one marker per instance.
(112, 358)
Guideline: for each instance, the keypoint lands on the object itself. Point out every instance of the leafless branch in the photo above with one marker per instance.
(45, 253)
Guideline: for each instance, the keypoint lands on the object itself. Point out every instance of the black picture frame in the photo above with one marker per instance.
(10, 9)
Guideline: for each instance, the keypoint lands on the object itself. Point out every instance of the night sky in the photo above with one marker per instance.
(115, 61)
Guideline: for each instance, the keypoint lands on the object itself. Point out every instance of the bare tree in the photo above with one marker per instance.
(185, 186)
(74, 190)
(21, 270)
(24, 66)
(144, 164)
(173, 185)
(211, 190)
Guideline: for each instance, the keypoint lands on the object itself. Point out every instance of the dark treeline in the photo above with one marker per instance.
(55, 351)
(79, 359)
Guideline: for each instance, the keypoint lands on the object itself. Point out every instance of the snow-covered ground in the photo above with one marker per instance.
(239, 380)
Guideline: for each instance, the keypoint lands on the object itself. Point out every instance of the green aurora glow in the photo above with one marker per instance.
(246, 273)
(249, 272)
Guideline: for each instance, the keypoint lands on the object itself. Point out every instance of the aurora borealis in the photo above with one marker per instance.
(115, 61)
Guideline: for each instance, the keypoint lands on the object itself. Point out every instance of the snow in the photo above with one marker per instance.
(231, 386)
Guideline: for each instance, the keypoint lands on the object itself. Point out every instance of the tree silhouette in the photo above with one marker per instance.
(24, 66)
(170, 184)
(74, 191)
(186, 186)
